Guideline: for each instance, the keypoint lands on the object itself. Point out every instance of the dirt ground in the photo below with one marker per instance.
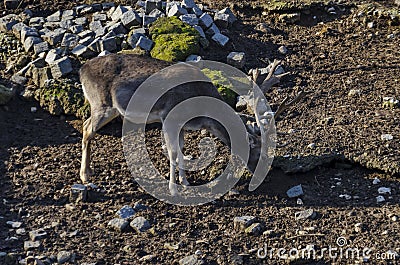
(40, 158)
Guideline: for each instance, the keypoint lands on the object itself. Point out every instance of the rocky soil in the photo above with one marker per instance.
(340, 144)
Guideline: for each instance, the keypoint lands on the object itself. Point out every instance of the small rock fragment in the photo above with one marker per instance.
(63, 257)
(31, 245)
(78, 193)
(380, 199)
(191, 260)
(295, 191)
(236, 59)
(140, 224)
(126, 212)
(254, 229)
(384, 190)
(118, 224)
(221, 39)
(306, 214)
(242, 222)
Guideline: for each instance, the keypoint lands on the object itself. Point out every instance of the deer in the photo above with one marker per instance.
(109, 82)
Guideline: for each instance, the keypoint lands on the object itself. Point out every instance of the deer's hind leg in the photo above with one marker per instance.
(90, 127)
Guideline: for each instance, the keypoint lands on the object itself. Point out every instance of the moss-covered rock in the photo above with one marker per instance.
(223, 85)
(63, 97)
(173, 39)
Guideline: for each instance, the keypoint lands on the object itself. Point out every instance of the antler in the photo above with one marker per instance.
(285, 104)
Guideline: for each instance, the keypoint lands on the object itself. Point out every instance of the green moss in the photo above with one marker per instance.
(62, 97)
(171, 25)
(223, 85)
(173, 39)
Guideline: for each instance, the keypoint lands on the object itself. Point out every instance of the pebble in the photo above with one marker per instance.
(359, 227)
(376, 181)
(31, 245)
(306, 214)
(380, 199)
(37, 234)
(140, 224)
(126, 212)
(386, 137)
(63, 257)
(242, 222)
(14, 224)
(236, 59)
(283, 50)
(384, 190)
(345, 196)
(354, 92)
(118, 224)
(191, 260)
(295, 191)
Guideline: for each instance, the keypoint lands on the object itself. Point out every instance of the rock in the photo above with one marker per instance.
(16, 29)
(104, 53)
(118, 224)
(386, 137)
(254, 229)
(193, 58)
(200, 30)
(130, 19)
(290, 18)
(61, 67)
(7, 22)
(173, 39)
(376, 181)
(197, 11)
(359, 228)
(283, 50)
(306, 214)
(345, 196)
(81, 21)
(37, 22)
(40, 75)
(118, 12)
(205, 20)
(156, 14)
(231, 17)
(147, 20)
(83, 51)
(354, 92)
(31, 245)
(28, 32)
(37, 235)
(78, 193)
(52, 55)
(5, 94)
(11, 223)
(68, 13)
(75, 29)
(30, 42)
(150, 5)
(191, 260)
(140, 224)
(242, 222)
(190, 19)
(176, 10)
(118, 28)
(188, 4)
(213, 30)
(106, 6)
(86, 33)
(126, 212)
(384, 190)
(236, 59)
(41, 47)
(66, 24)
(264, 27)
(95, 45)
(295, 191)
(85, 42)
(109, 44)
(380, 199)
(220, 39)
(11, 4)
(54, 37)
(64, 257)
(99, 17)
(221, 20)
(18, 79)
(139, 207)
(145, 43)
(97, 28)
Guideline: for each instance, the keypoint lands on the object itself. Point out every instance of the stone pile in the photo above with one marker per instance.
(89, 30)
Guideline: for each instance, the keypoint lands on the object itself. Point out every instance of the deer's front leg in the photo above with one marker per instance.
(88, 134)
(172, 147)
(181, 165)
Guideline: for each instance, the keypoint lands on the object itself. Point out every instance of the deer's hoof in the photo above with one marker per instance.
(173, 189)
